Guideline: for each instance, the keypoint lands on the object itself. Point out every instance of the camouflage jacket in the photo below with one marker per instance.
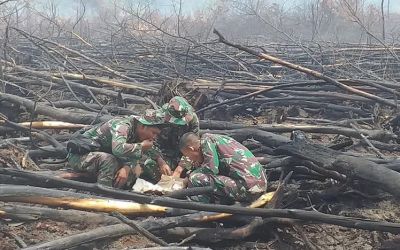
(117, 137)
(168, 140)
(225, 156)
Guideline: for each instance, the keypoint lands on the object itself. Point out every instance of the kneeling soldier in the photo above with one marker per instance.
(225, 164)
(111, 151)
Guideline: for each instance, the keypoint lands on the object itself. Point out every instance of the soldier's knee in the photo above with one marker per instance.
(199, 180)
(105, 160)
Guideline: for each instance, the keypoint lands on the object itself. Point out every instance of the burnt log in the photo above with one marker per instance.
(284, 128)
(32, 213)
(350, 166)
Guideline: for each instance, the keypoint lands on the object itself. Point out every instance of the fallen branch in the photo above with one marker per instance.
(58, 198)
(169, 202)
(176, 248)
(139, 229)
(51, 80)
(58, 114)
(350, 166)
(52, 125)
(266, 138)
(305, 70)
(365, 139)
(149, 224)
(76, 53)
(100, 233)
(107, 232)
(32, 213)
(284, 128)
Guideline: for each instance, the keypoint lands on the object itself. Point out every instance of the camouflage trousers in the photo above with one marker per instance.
(102, 165)
(226, 190)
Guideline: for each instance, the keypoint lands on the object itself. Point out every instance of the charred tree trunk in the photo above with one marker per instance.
(350, 166)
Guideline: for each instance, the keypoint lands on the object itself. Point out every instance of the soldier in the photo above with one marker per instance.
(112, 150)
(225, 164)
(180, 114)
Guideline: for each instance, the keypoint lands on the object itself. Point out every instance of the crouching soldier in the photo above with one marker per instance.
(112, 151)
(180, 119)
(180, 116)
(225, 164)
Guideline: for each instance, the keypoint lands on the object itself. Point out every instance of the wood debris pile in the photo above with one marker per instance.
(323, 119)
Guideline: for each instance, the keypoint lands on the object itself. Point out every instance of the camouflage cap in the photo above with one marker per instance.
(152, 117)
(178, 111)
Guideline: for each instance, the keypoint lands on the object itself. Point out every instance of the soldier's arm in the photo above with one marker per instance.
(184, 163)
(195, 125)
(121, 149)
(210, 164)
(155, 154)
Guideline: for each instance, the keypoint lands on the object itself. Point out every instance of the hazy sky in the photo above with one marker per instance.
(188, 6)
(67, 7)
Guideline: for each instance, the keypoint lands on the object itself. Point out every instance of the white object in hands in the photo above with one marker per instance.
(165, 185)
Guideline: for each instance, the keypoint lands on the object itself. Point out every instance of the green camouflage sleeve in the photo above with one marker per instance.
(126, 152)
(186, 163)
(154, 152)
(210, 164)
(194, 125)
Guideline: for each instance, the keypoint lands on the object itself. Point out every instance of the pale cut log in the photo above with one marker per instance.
(58, 198)
(52, 125)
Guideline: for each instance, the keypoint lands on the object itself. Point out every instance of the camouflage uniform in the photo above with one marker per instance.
(181, 115)
(230, 167)
(119, 146)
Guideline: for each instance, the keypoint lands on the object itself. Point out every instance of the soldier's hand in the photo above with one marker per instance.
(165, 169)
(178, 171)
(147, 144)
(121, 177)
(137, 170)
(185, 182)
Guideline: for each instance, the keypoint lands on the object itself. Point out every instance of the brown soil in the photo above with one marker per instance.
(45, 230)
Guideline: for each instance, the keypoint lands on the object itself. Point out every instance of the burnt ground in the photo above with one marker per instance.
(322, 236)
(315, 236)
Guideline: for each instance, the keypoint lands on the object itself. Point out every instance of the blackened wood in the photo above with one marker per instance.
(357, 167)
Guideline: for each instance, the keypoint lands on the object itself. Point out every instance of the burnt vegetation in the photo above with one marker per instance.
(310, 87)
